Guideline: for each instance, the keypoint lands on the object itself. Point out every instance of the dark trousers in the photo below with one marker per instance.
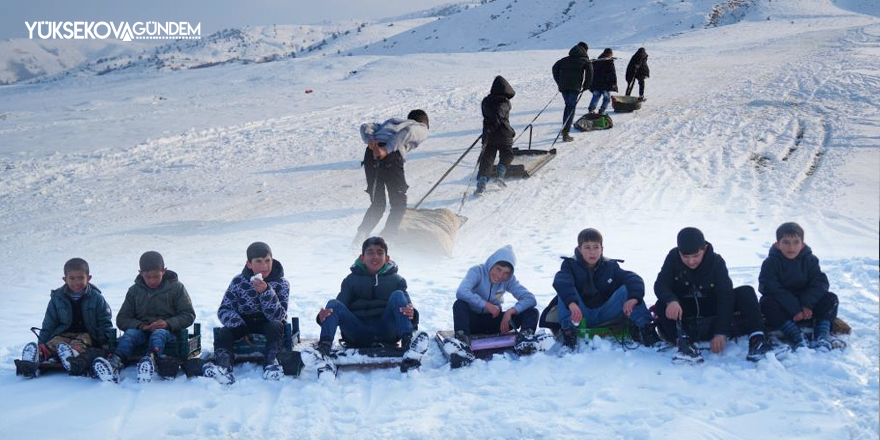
(571, 100)
(775, 315)
(487, 158)
(484, 324)
(629, 87)
(384, 175)
(746, 316)
(273, 330)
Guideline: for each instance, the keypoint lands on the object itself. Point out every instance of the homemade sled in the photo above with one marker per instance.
(527, 162)
(617, 328)
(428, 231)
(346, 357)
(486, 346)
(592, 122)
(625, 104)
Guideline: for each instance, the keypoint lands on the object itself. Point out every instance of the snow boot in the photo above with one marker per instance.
(795, 336)
(65, 354)
(566, 137)
(29, 364)
(417, 348)
(501, 171)
(646, 335)
(569, 341)
(273, 370)
(687, 352)
(145, 368)
(822, 336)
(759, 346)
(526, 343)
(459, 350)
(221, 368)
(319, 358)
(107, 370)
(481, 185)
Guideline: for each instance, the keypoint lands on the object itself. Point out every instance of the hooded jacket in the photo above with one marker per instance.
(596, 285)
(365, 294)
(396, 134)
(242, 300)
(496, 114)
(604, 75)
(96, 314)
(170, 301)
(710, 281)
(574, 73)
(638, 66)
(796, 283)
(476, 288)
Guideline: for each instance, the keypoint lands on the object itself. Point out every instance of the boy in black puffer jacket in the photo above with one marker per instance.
(795, 290)
(497, 132)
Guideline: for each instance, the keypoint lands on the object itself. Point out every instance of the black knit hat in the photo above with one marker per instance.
(258, 249)
(152, 260)
(690, 241)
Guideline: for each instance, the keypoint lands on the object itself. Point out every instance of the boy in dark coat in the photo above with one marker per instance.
(155, 308)
(591, 287)
(637, 69)
(604, 81)
(77, 317)
(795, 290)
(255, 302)
(497, 132)
(696, 300)
(372, 305)
(573, 75)
(387, 145)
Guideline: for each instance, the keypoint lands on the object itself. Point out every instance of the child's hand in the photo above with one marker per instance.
(157, 325)
(629, 305)
(408, 311)
(808, 313)
(259, 285)
(673, 311)
(324, 314)
(717, 343)
(505, 321)
(576, 314)
(492, 309)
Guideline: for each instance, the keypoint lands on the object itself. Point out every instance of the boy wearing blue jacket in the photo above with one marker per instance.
(480, 298)
(387, 145)
(255, 302)
(592, 287)
(794, 290)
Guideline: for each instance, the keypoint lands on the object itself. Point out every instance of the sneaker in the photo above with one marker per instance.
(464, 338)
(145, 368)
(526, 343)
(107, 370)
(222, 375)
(418, 345)
(65, 354)
(314, 358)
(687, 352)
(459, 352)
(273, 371)
(566, 137)
(641, 99)
(601, 111)
(759, 346)
(569, 341)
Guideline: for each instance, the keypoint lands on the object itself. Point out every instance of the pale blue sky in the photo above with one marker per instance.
(212, 14)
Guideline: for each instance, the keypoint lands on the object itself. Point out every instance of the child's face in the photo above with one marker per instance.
(262, 265)
(374, 258)
(77, 280)
(499, 273)
(153, 278)
(591, 251)
(790, 246)
(693, 261)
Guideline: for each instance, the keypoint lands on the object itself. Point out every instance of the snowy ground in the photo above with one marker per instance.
(746, 126)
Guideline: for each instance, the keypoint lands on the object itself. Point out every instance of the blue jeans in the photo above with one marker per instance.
(389, 327)
(606, 98)
(571, 99)
(612, 309)
(134, 337)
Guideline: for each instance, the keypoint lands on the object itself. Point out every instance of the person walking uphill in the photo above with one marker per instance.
(573, 74)
(604, 81)
(387, 145)
(497, 132)
(637, 69)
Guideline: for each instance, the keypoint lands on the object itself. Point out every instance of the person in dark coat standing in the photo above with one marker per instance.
(696, 301)
(604, 80)
(637, 69)
(573, 74)
(497, 132)
(387, 145)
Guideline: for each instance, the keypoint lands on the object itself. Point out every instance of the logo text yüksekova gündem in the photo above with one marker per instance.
(90, 30)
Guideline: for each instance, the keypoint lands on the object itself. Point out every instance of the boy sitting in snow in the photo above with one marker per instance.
(77, 317)
(696, 301)
(592, 287)
(795, 290)
(255, 302)
(372, 306)
(155, 307)
(480, 296)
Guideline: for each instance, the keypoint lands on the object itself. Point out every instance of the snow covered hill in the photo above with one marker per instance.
(747, 125)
